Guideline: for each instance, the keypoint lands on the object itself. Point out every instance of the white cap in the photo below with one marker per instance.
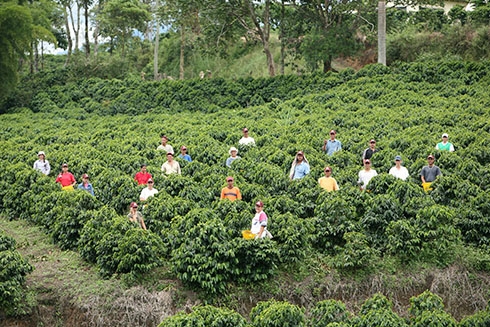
(233, 149)
(445, 135)
(41, 152)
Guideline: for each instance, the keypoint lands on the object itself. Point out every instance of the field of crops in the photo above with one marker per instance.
(107, 129)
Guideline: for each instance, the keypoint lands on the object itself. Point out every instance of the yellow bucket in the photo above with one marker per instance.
(248, 235)
(68, 188)
(426, 186)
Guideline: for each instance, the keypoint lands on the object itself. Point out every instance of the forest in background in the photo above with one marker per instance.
(227, 39)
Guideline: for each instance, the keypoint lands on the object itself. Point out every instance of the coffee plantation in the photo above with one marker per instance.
(108, 128)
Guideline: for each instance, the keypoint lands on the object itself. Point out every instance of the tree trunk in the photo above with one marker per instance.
(72, 18)
(282, 37)
(157, 42)
(87, 40)
(182, 47)
(382, 32)
(68, 34)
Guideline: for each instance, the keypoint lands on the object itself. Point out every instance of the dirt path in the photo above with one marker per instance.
(69, 292)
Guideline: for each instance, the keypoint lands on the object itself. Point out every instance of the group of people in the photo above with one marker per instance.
(300, 167)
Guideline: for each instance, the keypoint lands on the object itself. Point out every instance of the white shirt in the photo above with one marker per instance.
(146, 193)
(247, 141)
(173, 168)
(167, 148)
(365, 177)
(401, 173)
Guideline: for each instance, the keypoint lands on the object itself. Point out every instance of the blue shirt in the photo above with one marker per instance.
(332, 146)
(89, 188)
(230, 160)
(186, 157)
(301, 170)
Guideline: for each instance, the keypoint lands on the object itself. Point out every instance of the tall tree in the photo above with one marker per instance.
(15, 38)
(119, 18)
(382, 32)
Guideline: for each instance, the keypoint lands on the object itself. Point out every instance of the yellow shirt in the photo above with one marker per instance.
(328, 183)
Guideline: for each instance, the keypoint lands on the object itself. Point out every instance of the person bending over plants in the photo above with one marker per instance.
(135, 216)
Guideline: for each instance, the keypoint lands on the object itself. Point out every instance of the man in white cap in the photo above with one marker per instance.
(445, 145)
(398, 170)
(42, 164)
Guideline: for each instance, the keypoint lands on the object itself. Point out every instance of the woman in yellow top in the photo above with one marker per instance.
(327, 182)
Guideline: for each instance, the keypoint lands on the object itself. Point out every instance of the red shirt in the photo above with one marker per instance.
(65, 179)
(142, 178)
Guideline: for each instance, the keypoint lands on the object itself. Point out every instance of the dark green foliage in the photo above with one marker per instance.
(479, 319)
(292, 237)
(355, 254)
(208, 316)
(376, 312)
(327, 312)
(474, 222)
(277, 314)
(427, 309)
(13, 271)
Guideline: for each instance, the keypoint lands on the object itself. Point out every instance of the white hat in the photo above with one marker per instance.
(445, 135)
(233, 149)
(41, 152)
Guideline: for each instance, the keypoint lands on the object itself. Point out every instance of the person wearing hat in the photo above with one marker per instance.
(332, 145)
(366, 175)
(246, 140)
(164, 145)
(327, 182)
(183, 154)
(148, 191)
(230, 192)
(445, 145)
(66, 179)
(135, 216)
(300, 166)
(42, 164)
(233, 156)
(142, 176)
(429, 173)
(259, 222)
(398, 170)
(171, 166)
(368, 153)
(85, 184)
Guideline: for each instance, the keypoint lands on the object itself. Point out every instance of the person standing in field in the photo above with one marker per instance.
(368, 153)
(142, 176)
(165, 146)
(398, 170)
(332, 145)
(300, 166)
(366, 175)
(429, 173)
(66, 179)
(445, 145)
(230, 192)
(327, 182)
(135, 216)
(42, 164)
(183, 154)
(171, 166)
(246, 140)
(85, 184)
(148, 191)
(233, 156)
(259, 222)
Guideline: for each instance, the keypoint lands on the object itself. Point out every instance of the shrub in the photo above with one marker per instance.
(205, 316)
(327, 312)
(277, 314)
(13, 271)
(355, 254)
(377, 311)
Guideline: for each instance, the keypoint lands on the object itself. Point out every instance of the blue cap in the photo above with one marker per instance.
(398, 158)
